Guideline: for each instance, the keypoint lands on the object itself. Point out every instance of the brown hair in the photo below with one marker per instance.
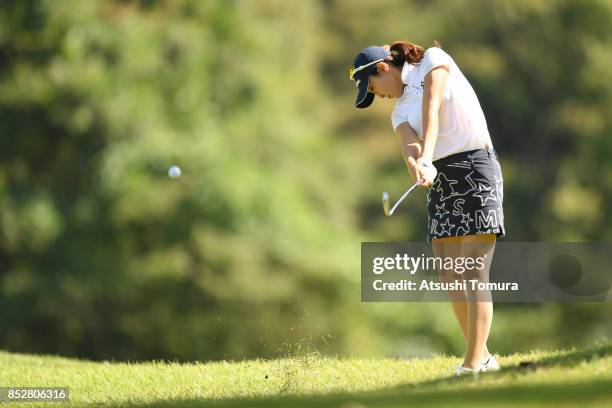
(403, 51)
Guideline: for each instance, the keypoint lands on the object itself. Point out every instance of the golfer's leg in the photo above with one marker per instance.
(460, 308)
(480, 306)
(442, 248)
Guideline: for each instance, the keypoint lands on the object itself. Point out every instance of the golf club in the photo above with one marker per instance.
(386, 199)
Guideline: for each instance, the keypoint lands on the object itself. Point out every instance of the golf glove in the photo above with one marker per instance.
(426, 168)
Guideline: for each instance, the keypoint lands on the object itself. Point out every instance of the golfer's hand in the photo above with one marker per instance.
(413, 169)
(427, 171)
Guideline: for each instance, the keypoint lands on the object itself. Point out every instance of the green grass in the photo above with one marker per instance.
(559, 378)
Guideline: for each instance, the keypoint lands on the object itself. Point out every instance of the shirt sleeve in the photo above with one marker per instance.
(432, 58)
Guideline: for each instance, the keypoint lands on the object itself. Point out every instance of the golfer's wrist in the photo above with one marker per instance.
(424, 161)
(413, 150)
(426, 154)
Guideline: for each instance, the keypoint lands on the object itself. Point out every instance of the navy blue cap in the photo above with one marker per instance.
(361, 78)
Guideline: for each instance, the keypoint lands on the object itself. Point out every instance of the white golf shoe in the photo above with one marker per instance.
(464, 370)
(489, 364)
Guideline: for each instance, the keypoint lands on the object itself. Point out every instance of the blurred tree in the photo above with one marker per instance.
(256, 247)
(110, 258)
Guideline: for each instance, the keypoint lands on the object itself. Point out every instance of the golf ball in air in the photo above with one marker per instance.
(174, 171)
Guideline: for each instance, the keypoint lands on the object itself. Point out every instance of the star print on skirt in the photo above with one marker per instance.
(466, 196)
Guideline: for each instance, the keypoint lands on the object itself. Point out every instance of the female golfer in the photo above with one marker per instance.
(447, 147)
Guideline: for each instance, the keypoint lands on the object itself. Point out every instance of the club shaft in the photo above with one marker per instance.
(404, 196)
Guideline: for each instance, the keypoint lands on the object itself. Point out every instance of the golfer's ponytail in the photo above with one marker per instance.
(403, 51)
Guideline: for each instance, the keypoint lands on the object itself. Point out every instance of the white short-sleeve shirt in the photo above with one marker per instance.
(461, 121)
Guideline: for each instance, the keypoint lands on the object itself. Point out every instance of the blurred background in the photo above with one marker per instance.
(254, 251)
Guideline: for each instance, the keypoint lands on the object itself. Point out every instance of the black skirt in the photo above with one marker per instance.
(466, 196)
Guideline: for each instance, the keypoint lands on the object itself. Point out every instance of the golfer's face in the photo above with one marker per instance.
(384, 85)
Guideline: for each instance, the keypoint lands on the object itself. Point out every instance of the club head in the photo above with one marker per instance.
(385, 203)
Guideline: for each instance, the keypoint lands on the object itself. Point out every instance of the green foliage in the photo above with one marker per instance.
(109, 257)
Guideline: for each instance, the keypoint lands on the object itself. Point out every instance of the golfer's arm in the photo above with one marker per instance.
(411, 145)
(435, 81)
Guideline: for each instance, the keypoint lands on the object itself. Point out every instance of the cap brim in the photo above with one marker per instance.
(364, 98)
